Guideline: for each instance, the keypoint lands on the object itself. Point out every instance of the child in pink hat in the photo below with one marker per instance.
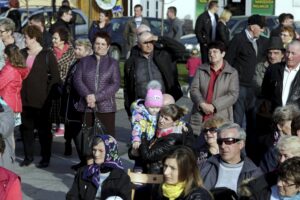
(145, 113)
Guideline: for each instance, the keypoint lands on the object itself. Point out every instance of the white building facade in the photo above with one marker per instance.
(190, 9)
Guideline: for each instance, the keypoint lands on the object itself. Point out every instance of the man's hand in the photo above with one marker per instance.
(207, 108)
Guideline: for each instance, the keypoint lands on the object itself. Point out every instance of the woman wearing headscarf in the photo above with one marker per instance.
(105, 177)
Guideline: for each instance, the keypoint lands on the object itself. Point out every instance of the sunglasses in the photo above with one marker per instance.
(228, 141)
(211, 130)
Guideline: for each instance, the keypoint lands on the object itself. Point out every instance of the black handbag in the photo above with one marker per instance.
(87, 134)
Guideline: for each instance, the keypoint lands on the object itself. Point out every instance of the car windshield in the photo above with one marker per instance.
(232, 22)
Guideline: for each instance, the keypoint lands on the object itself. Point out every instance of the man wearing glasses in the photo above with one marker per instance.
(64, 17)
(154, 59)
(230, 167)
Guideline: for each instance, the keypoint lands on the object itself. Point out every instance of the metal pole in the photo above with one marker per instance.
(162, 17)
(90, 12)
(27, 8)
(130, 8)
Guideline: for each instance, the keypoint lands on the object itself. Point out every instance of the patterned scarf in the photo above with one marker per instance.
(111, 161)
(64, 61)
(177, 128)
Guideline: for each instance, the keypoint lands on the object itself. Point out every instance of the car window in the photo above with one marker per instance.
(240, 27)
(231, 23)
(271, 22)
(155, 26)
(116, 26)
(79, 19)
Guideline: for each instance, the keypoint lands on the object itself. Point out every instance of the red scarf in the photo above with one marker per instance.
(59, 52)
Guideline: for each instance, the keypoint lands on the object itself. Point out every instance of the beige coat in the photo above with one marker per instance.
(226, 92)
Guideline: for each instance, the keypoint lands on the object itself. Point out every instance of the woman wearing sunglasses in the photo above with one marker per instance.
(209, 137)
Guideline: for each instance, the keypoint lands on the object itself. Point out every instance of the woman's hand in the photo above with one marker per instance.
(136, 145)
(91, 100)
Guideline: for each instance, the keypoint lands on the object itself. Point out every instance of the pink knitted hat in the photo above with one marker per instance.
(154, 97)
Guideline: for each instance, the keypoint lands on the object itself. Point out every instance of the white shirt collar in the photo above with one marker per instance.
(211, 14)
(295, 69)
(249, 36)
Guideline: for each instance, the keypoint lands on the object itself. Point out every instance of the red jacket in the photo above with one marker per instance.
(11, 79)
(10, 185)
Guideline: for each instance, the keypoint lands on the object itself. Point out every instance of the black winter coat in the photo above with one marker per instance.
(164, 57)
(242, 56)
(203, 28)
(259, 188)
(116, 184)
(272, 86)
(223, 33)
(43, 75)
(153, 152)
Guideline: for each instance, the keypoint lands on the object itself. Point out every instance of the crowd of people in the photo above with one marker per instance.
(241, 140)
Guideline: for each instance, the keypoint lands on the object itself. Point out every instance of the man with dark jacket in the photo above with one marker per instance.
(64, 17)
(205, 28)
(175, 29)
(154, 59)
(246, 49)
(229, 168)
(285, 20)
(281, 84)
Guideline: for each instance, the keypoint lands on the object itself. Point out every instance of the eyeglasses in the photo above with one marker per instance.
(211, 130)
(285, 183)
(228, 141)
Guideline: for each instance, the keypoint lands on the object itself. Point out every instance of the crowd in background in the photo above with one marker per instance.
(241, 140)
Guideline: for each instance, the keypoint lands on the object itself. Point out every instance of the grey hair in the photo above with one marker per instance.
(285, 113)
(142, 28)
(8, 24)
(294, 42)
(290, 144)
(85, 43)
(230, 125)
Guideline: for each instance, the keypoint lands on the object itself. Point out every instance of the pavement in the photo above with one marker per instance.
(53, 183)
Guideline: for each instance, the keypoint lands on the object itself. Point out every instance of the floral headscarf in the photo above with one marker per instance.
(111, 160)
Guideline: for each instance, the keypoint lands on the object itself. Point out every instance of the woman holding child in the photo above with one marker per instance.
(171, 131)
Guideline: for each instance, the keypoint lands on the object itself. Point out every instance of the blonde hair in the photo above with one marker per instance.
(214, 122)
(225, 15)
(85, 43)
(285, 113)
(291, 144)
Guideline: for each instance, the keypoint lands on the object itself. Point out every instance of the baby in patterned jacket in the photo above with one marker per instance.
(145, 114)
